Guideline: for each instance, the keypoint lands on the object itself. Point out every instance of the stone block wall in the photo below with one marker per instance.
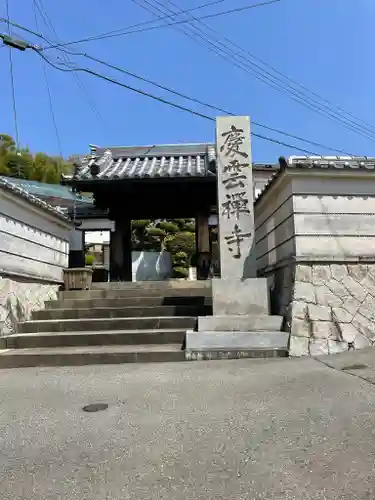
(328, 308)
(19, 298)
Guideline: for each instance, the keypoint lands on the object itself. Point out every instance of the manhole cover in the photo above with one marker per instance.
(354, 367)
(95, 407)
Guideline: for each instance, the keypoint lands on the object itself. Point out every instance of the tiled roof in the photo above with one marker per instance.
(356, 162)
(23, 193)
(162, 161)
(321, 162)
(190, 160)
(49, 192)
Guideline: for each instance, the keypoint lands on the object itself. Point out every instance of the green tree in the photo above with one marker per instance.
(19, 162)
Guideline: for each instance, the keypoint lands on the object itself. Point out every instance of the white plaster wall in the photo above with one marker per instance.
(151, 266)
(274, 226)
(334, 218)
(34, 244)
(97, 225)
(326, 220)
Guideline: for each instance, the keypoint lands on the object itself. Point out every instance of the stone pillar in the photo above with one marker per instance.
(203, 246)
(240, 300)
(121, 251)
(238, 291)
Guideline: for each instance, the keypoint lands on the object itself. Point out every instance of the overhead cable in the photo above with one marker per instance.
(185, 96)
(162, 100)
(265, 76)
(150, 28)
(14, 104)
(48, 22)
(58, 140)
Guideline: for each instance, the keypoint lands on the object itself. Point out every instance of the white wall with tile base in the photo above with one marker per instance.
(315, 240)
(34, 249)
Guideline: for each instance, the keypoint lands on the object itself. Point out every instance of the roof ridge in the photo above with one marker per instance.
(23, 193)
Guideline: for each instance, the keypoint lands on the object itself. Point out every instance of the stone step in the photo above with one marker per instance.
(128, 302)
(233, 345)
(244, 323)
(178, 284)
(109, 337)
(135, 292)
(90, 355)
(120, 312)
(221, 354)
(102, 324)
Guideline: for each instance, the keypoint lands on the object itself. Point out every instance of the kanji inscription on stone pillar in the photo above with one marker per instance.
(235, 197)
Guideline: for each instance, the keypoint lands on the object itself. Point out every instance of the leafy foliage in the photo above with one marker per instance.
(177, 236)
(180, 272)
(140, 224)
(169, 227)
(156, 231)
(181, 242)
(21, 163)
(89, 260)
(189, 227)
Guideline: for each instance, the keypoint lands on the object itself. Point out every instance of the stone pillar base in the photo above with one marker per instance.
(240, 297)
(241, 325)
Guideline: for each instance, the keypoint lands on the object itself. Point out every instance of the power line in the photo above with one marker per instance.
(272, 81)
(162, 100)
(58, 140)
(187, 97)
(12, 82)
(263, 75)
(207, 105)
(207, 16)
(353, 126)
(143, 23)
(79, 82)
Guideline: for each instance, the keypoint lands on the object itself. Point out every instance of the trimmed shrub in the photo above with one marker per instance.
(168, 227)
(180, 256)
(140, 224)
(156, 231)
(181, 242)
(180, 272)
(189, 227)
(180, 222)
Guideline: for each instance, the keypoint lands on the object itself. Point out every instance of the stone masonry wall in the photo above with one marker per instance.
(332, 307)
(18, 299)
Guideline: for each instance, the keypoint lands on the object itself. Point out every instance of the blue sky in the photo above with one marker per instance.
(324, 45)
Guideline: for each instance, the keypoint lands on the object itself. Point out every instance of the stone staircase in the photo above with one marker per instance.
(125, 323)
(112, 323)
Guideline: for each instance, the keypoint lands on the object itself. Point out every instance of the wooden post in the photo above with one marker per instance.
(203, 246)
(121, 251)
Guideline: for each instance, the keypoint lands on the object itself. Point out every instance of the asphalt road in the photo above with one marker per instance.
(276, 429)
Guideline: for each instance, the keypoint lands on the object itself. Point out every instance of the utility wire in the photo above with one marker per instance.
(12, 83)
(122, 31)
(265, 76)
(273, 84)
(185, 96)
(207, 16)
(262, 75)
(79, 82)
(162, 100)
(207, 105)
(58, 140)
(353, 127)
